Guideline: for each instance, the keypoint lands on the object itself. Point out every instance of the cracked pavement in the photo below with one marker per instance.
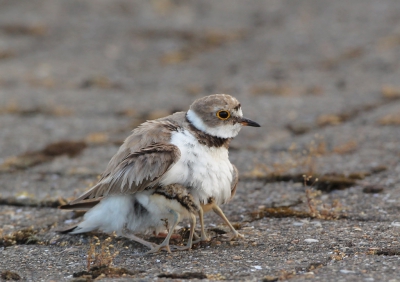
(321, 77)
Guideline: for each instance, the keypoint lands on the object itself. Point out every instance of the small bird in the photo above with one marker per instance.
(167, 170)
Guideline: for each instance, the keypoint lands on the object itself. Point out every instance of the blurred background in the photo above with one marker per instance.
(81, 74)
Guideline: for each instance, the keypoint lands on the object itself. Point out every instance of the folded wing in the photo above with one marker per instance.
(134, 172)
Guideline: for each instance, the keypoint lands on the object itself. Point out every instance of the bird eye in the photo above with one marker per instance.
(224, 115)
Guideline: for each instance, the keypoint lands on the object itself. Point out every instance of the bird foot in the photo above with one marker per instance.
(180, 248)
(203, 238)
(235, 235)
(158, 248)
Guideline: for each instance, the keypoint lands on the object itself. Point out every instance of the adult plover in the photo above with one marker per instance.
(167, 170)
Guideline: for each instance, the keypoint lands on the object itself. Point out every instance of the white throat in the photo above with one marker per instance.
(225, 131)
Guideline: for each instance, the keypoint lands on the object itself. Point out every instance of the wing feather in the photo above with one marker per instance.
(135, 172)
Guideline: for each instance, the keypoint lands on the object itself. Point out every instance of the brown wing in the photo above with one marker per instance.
(147, 134)
(135, 172)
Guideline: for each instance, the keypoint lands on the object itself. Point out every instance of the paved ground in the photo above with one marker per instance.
(322, 77)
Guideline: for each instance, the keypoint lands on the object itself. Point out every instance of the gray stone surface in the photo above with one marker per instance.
(321, 77)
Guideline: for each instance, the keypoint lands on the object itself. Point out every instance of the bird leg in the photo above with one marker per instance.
(190, 240)
(125, 232)
(221, 214)
(165, 244)
(203, 235)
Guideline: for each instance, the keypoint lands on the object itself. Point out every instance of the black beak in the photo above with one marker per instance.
(248, 122)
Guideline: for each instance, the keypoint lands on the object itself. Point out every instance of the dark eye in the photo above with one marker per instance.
(224, 115)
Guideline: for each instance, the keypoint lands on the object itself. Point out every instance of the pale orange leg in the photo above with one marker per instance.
(203, 235)
(221, 214)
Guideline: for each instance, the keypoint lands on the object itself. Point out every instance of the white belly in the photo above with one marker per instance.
(206, 170)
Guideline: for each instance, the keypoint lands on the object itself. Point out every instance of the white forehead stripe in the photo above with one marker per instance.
(226, 131)
(237, 113)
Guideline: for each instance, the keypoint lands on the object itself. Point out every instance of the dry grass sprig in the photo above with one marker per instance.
(317, 208)
(101, 253)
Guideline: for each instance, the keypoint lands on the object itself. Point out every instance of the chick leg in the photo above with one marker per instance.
(165, 244)
(125, 233)
(221, 214)
(191, 233)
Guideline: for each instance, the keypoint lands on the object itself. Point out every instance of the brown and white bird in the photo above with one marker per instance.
(167, 170)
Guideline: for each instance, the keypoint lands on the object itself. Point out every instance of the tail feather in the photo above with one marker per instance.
(82, 205)
(66, 229)
(88, 195)
(75, 229)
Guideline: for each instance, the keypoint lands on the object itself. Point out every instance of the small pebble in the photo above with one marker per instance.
(311, 240)
(317, 223)
(345, 271)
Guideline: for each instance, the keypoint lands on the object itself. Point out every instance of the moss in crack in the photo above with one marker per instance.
(21, 237)
(10, 275)
(384, 252)
(52, 150)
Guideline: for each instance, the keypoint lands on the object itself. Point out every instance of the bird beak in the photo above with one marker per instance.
(248, 122)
